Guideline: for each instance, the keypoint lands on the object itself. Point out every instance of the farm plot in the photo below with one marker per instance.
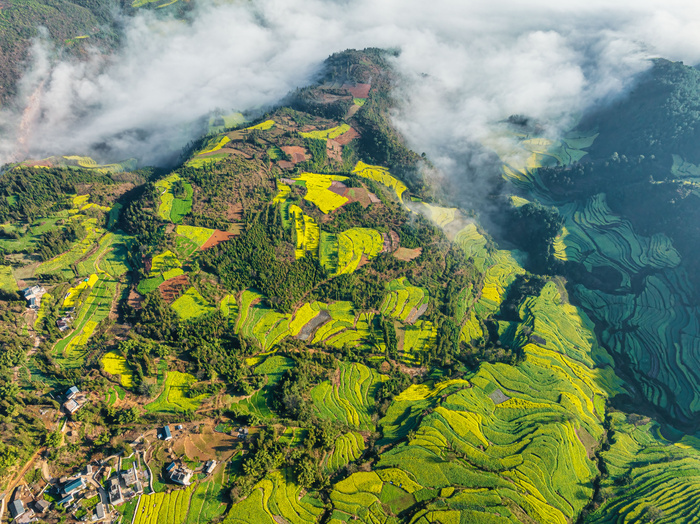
(350, 400)
(162, 507)
(115, 364)
(62, 263)
(174, 397)
(441, 216)
(70, 351)
(7, 280)
(283, 192)
(191, 305)
(342, 317)
(267, 326)
(306, 232)
(208, 501)
(381, 175)
(404, 301)
(348, 448)
(318, 192)
(326, 134)
(198, 235)
(276, 498)
(164, 262)
(595, 236)
(172, 208)
(273, 367)
(164, 187)
(649, 476)
(355, 246)
(373, 496)
(417, 340)
(72, 296)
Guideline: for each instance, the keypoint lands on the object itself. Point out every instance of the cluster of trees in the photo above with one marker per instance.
(250, 260)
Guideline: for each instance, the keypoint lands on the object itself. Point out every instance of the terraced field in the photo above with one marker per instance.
(273, 367)
(404, 301)
(172, 209)
(650, 478)
(276, 498)
(70, 351)
(174, 398)
(7, 280)
(307, 233)
(208, 500)
(348, 448)
(198, 235)
(350, 400)
(164, 262)
(417, 340)
(357, 244)
(326, 134)
(162, 507)
(381, 175)
(594, 236)
(657, 330)
(527, 424)
(267, 326)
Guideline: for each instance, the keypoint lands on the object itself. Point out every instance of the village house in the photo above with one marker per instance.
(179, 473)
(115, 491)
(33, 296)
(209, 467)
(74, 400)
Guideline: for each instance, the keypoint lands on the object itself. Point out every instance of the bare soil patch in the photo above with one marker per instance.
(218, 237)
(358, 90)
(296, 153)
(405, 254)
(172, 288)
(347, 137)
(135, 299)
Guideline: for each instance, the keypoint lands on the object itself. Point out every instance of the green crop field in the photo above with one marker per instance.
(306, 232)
(198, 235)
(191, 305)
(404, 301)
(650, 478)
(333, 132)
(174, 397)
(351, 400)
(276, 495)
(348, 448)
(70, 351)
(7, 280)
(164, 262)
(164, 508)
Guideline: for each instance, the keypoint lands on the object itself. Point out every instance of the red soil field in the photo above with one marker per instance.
(217, 238)
(297, 153)
(358, 90)
(347, 137)
(172, 288)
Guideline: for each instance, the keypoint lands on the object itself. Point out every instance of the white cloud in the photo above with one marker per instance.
(466, 64)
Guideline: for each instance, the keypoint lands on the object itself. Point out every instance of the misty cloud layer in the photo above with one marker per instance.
(465, 65)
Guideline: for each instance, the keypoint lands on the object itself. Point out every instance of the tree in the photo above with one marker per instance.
(54, 439)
